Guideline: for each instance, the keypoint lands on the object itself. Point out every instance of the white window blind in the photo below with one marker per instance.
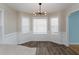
(54, 24)
(25, 24)
(39, 26)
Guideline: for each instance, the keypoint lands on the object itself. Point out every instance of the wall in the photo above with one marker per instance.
(10, 17)
(73, 8)
(10, 22)
(57, 37)
(62, 20)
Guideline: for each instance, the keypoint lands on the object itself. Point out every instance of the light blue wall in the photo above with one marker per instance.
(74, 27)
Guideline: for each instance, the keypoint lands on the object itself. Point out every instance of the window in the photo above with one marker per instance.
(40, 26)
(25, 24)
(54, 24)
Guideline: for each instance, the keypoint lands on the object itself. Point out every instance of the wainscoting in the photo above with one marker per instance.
(56, 37)
(10, 38)
(19, 38)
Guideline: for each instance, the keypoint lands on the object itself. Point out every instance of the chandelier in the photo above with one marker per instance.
(39, 12)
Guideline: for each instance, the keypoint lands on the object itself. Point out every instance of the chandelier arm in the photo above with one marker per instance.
(40, 7)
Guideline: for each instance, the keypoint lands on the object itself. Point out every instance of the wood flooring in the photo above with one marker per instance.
(49, 48)
(75, 48)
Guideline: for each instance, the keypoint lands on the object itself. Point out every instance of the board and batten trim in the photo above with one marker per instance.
(11, 38)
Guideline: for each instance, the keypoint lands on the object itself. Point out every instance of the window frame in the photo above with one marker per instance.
(50, 24)
(28, 24)
(39, 18)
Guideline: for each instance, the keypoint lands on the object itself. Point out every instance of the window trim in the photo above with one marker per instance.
(50, 24)
(22, 25)
(40, 18)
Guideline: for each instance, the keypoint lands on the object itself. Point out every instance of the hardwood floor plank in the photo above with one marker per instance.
(75, 48)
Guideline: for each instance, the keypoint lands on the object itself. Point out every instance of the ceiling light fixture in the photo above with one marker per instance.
(39, 11)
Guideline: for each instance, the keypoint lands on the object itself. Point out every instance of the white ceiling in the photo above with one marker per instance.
(30, 7)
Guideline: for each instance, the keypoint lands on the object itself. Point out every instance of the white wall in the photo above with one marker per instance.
(73, 8)
(62, 20)
(10, 19)
(10, 22)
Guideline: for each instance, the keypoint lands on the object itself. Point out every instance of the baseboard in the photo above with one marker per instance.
(73, 43)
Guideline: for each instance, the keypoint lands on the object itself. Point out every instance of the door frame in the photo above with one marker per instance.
(2, 18)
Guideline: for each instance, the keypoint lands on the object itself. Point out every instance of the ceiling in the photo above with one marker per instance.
(48, 7)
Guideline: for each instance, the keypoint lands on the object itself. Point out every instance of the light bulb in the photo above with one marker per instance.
(33, 12)
(38, 11)
(45, 12)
